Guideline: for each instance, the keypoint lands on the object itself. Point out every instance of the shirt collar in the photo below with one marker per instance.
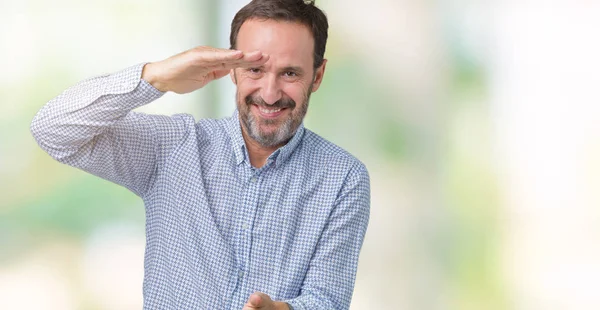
(280, 156)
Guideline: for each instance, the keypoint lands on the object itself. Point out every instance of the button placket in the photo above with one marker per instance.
(251, 202)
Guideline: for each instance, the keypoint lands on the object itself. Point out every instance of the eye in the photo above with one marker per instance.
(255, 73)
(254, 70)
(290, 74)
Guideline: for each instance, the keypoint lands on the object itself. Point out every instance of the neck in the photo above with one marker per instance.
(258, 153)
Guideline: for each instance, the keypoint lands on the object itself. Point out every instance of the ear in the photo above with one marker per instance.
(320, 71)
(232, 76)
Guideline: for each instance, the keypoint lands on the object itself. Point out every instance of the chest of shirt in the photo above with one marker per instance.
(279, 207)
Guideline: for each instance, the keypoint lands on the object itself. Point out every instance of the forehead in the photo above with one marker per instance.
(287, 43)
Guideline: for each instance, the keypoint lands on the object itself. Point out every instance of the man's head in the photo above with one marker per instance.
(272, 100)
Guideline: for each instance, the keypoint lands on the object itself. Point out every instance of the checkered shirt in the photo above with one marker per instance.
(217, 229)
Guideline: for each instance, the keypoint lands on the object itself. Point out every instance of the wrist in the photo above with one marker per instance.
(149, 75)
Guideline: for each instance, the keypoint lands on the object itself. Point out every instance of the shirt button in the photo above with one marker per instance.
(253, 180)
(245, 226)
(241, 274)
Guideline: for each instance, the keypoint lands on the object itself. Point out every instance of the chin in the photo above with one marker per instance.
(268, 130)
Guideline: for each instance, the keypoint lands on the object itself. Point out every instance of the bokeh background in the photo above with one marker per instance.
(479, 122)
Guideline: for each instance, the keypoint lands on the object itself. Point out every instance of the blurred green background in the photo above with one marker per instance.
(478, 122)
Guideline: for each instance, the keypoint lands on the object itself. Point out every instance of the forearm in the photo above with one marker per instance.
(329, 283)
(85, 110)
(90, 126)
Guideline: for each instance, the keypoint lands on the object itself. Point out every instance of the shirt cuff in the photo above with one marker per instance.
(129, 82)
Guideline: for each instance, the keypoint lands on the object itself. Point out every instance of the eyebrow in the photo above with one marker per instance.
(297, 69)
(293, 68)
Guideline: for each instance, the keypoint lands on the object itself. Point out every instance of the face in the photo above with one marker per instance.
(272, 100)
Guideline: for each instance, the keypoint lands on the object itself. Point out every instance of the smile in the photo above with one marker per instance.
(269, 113)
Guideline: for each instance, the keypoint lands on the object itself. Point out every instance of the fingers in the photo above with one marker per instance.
(258, 300)
(255, 300)
(222, 59)
(233, 56)
(213, 56)
(254, 59)
(217, 74)
(245, 62)
(253, 56)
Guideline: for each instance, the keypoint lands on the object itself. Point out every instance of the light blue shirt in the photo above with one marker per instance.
(217, 229)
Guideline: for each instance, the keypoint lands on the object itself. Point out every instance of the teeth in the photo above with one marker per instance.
(267, 111)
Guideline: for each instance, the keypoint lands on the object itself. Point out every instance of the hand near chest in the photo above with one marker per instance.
(261, 301)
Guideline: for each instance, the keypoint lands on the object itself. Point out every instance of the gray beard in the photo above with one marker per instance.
(283, 134)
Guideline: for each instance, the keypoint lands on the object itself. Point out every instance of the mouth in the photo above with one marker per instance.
(268, 113)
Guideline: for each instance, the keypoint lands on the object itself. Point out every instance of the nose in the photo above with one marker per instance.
(270, 90)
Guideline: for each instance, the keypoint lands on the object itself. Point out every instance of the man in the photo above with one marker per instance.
(249, 212)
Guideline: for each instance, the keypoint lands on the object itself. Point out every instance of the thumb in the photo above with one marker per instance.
(217, 74)
(256, 300)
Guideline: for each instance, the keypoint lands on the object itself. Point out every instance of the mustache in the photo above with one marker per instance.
(279, 104)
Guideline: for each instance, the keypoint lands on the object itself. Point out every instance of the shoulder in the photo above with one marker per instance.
(210, 125)
(213, 128)
(323, 152)
(337, 170)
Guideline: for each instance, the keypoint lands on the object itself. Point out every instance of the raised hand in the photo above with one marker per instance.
(194, 68)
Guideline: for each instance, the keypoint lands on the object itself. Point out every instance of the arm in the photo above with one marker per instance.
(329, 283)
(90, 125)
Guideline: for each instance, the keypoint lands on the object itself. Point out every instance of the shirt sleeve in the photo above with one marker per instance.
(91, 126)
(329, 282)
